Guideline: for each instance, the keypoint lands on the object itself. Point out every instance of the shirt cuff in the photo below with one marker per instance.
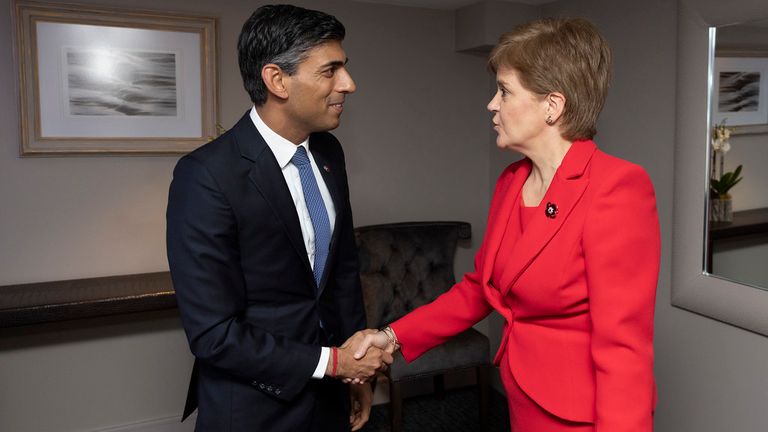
(322, 364)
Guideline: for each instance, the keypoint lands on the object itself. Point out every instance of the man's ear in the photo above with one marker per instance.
(275, 80)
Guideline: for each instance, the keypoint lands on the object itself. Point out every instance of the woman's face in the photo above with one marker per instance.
(519, 115)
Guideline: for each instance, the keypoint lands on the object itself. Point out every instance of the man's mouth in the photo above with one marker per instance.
(338, 107)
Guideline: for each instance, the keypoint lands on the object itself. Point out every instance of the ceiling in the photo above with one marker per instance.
(446, 4)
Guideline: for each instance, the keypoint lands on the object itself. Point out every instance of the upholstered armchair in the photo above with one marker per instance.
(406, 265)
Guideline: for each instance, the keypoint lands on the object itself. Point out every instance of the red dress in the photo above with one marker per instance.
(576, 289)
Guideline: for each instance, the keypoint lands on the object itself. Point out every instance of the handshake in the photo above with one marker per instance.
(362, 355)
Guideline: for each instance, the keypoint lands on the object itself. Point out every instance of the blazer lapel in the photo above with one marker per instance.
(501, 210)
(328, 172)
(565, 191)
(266, 175)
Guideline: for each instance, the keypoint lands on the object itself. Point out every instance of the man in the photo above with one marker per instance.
(261, 245)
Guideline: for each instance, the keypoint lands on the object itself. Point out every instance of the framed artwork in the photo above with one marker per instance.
(114, 81)
(741, 93)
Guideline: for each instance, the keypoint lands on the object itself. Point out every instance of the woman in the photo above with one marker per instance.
(570, 257)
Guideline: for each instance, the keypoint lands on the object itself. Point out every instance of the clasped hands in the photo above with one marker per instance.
(362, 355)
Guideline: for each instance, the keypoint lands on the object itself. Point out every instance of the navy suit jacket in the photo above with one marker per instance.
(248, 300)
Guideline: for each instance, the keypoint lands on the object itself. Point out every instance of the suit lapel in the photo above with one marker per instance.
(328, 172)
(266, 175)
(565, 191)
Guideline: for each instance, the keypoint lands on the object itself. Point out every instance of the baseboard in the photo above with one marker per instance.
(165, 424)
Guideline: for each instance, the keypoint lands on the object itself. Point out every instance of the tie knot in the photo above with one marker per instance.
(300, 157)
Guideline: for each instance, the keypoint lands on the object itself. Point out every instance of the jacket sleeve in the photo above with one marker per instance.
(622, 252)
(204, 259)
(448, 315)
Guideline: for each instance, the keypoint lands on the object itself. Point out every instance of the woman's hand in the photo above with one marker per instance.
(379, 340)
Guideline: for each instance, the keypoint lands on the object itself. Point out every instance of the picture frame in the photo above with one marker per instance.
(740, 91)
(96, 80)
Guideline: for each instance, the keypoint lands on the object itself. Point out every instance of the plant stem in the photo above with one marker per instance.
(722, 163)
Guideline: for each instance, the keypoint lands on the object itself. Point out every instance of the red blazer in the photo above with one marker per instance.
(579, 309)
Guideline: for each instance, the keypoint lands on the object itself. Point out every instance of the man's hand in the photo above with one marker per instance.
(359, 370)
(365, 342)
(361, 398)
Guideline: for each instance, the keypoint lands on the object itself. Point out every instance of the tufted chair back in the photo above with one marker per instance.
(406, 265)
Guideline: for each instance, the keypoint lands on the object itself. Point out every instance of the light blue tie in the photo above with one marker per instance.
(317, 211)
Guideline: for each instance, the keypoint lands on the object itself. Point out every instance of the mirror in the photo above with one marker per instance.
(737, 222)
(731, 298)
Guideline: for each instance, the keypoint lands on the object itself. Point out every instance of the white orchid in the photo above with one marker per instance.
(721, 182)
(717, 143)
(725, 147)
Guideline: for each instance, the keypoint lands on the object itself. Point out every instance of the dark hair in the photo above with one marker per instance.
(281, 34)
(567, 55)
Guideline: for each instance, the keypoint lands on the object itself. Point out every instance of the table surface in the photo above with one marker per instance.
(745, 222)
(35, 303)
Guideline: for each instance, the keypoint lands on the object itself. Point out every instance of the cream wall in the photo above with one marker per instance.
(415, 136)
(417, 99)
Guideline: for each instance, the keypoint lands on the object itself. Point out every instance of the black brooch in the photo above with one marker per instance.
(551, 210)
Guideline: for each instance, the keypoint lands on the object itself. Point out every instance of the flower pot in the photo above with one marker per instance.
(721, 209)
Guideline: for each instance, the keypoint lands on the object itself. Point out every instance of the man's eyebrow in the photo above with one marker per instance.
(335, 63)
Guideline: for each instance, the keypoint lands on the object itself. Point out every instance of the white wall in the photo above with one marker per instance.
(416, 138)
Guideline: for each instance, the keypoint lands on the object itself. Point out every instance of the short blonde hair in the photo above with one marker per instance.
(565, 55)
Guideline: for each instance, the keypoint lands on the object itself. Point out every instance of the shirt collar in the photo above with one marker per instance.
(281, 147)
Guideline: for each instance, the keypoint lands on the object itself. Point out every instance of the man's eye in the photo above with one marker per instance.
(329, 72)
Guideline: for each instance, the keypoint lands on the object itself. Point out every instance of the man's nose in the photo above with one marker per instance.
(346, 84)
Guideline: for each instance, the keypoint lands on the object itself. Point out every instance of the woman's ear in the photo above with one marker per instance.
(555, 107)
(275, 80)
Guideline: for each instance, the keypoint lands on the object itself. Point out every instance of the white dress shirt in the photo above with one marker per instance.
(284, 151)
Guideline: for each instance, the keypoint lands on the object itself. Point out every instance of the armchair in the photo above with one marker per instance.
(406, 265)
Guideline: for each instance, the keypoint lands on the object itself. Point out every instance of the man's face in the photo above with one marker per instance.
(317, 90)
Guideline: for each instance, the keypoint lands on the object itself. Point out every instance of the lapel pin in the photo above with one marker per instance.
(551, 210)
(327, 168)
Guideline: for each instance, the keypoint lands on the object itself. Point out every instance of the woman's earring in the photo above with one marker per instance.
(550, 121)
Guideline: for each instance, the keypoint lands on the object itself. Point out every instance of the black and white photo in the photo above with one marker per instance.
(740, 92)
(121, 83)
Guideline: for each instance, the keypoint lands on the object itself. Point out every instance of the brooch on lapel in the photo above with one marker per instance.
(551, 210)
(327, 168)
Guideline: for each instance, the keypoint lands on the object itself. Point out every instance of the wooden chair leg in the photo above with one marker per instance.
(483, 387)
(439, 386)
(395, 406)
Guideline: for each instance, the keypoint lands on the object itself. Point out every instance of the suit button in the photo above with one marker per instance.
(277, 392)
(269, 388)
(261, 386)
(254, 383)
